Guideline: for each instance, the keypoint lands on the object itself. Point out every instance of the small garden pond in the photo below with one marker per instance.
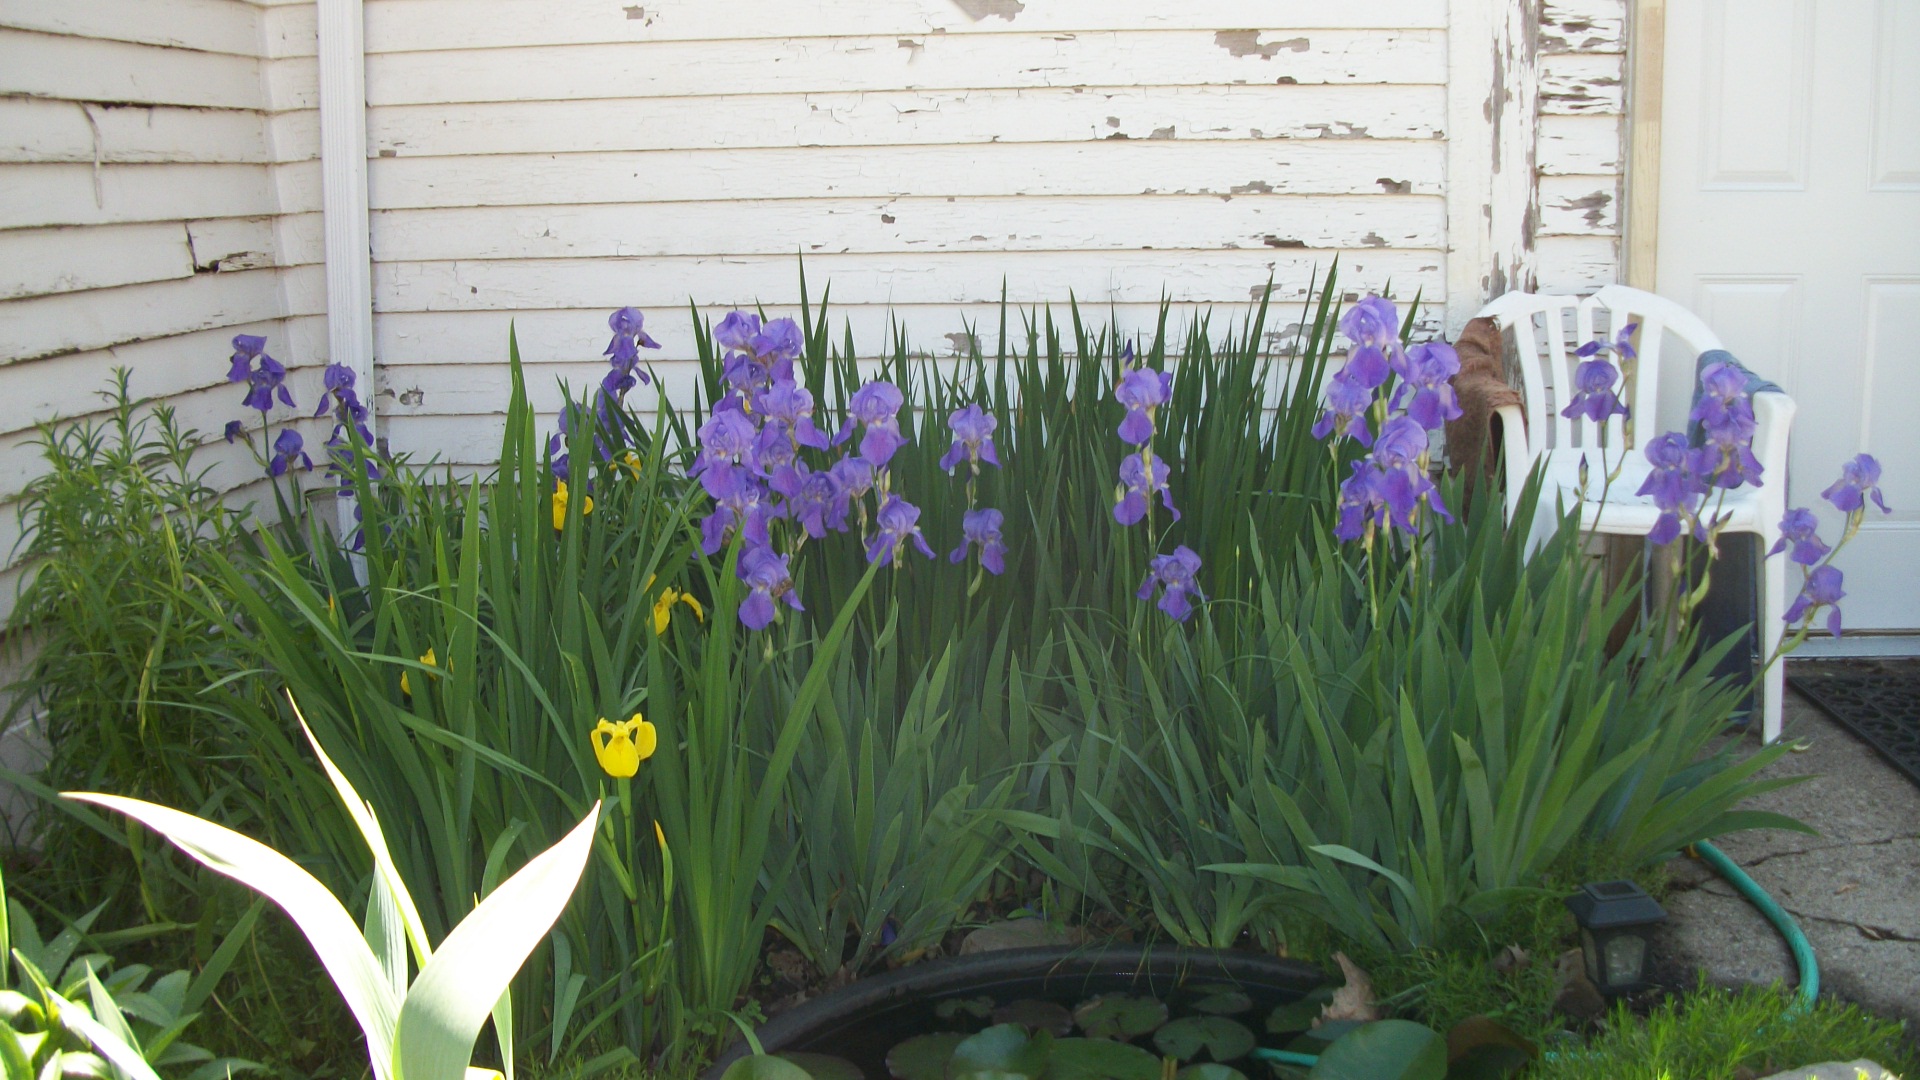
(1093, 1012)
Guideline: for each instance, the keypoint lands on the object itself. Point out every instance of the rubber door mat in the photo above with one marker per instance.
(1878, 700)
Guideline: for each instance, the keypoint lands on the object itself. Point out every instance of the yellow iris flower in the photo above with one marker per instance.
(630, 461)
(429, 660)
(560, 505)
(621, 747)
(663, 608)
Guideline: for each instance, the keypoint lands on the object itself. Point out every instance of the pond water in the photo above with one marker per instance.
(1195, 1017)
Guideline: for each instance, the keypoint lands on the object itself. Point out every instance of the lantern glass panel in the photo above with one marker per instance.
(1626, 960)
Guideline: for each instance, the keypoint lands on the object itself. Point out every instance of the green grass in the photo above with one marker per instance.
(1716, 1034)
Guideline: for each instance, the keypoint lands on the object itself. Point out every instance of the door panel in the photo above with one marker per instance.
(1790, 220)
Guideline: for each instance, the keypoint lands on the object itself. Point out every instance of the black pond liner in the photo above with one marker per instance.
(868, 1005)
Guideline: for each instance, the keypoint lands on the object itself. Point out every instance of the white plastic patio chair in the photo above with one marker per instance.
(1542, 334)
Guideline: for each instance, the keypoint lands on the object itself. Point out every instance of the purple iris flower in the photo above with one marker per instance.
(813, 498)
(285, 448)
(1673, 485)
(1821, 589)
(768, 579)
(1403, 482)
(1428, 386)
(1593, 393)
(741, 504)
(982, 527)
(1137, 487)
(898, 522)
(1798, 531)
(1725, 414)
(1373, 326)
(623, 354)
(1374, 321)
(728, 438)
(234, 430)
(1174, 574)
(1347, 405)
(876, 405)
(854, 474)
(779, 339)
(1142, 390)
(853, 479)
(792, 405)
(245, 348)
(626, 323)
(736, 330)
(1356, 503)
(336, 389)
(972, 438)
(264, 382)
(1621, 344)
(1859, 480)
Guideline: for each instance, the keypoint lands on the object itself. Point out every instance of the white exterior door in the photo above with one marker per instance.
(1790, 221)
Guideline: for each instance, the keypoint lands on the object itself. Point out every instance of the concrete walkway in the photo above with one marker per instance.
(1854, 889)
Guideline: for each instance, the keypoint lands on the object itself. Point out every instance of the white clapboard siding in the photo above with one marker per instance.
(910, 227)
(158, 194)
(801, 65)
(935, 278)
(1583, 26)
(408, 341)
(1583, 83)
(897, 118)
(220, 26)
(72, 322)
(1578, 264)
(36, 262)
(1579, 206)
(1052, 169)
(449, 24)
(1581, 130)
(37, 130)
(83, 69)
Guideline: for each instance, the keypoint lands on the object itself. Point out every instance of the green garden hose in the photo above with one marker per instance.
(1777, 915)
(1284, 1057)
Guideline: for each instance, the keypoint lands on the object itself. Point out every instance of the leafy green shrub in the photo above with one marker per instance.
(118, 534)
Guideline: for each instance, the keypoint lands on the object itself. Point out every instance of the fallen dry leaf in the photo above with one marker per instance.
(1354, 1001)
(1847, 888)
(1511, 959)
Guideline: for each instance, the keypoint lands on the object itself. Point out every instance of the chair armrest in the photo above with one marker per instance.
(1773, 421)
(1515, 456)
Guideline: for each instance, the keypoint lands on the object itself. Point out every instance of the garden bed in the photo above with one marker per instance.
(1176, 638)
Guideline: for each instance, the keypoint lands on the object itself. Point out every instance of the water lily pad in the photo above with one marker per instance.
(1384, 1050)
(823, 1066)
(1222, 1039)
(1101, 1059)
(1120, 1016)
(1002, 1048)
(1035, 1015)
(1210, 1071)
(923, 1057)
(1298, 1015)
(1220, 1000)
(977, 1007)
(763, 1067)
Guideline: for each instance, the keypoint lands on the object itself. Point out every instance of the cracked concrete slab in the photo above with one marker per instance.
(1854, 888)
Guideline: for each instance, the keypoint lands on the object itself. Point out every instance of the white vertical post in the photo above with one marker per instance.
(343, 188)
(1492, 133)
